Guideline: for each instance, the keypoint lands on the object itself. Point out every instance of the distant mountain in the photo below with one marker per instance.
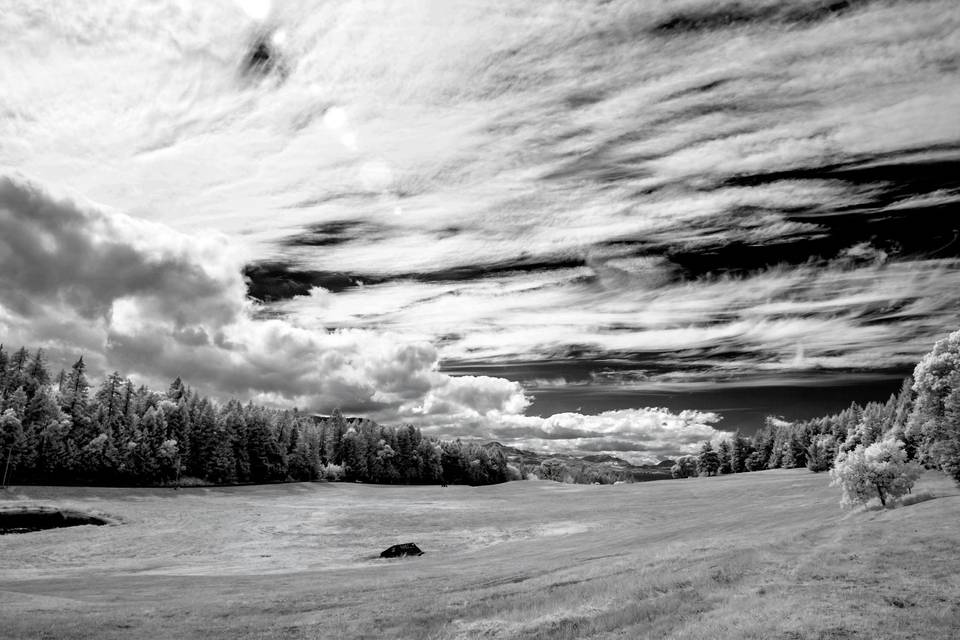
(606, 457)
(602, 462)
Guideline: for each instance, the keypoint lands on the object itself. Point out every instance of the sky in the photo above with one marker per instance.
(572, 225)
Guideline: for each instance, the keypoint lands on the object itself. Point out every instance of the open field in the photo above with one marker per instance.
(761, 555)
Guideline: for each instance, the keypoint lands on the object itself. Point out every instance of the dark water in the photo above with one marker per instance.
(26, 521)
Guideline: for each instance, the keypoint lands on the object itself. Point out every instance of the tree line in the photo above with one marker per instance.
(62, 430)
(872, 450)
(812, 443)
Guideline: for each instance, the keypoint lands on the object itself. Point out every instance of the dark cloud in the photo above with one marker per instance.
(161, 304)
(264, 57)
(55, 251)
(712, 17)
(272, 281)
(328, 234)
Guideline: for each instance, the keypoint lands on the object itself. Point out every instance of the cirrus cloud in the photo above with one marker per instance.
(150, 301)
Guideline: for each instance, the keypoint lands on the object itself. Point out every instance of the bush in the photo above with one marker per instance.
(191, 481)
(333, 472)
(914, 498)
(878, 471)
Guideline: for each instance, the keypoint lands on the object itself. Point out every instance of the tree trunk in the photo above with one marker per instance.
(7, 467)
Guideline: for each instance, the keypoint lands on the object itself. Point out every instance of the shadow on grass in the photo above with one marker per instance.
(905, 501)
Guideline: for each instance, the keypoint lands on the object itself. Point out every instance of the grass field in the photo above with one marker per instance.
(761, 555)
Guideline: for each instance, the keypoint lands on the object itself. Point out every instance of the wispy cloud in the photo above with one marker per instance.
(702, 191)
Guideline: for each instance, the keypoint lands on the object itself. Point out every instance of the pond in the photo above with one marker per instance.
(28, 519)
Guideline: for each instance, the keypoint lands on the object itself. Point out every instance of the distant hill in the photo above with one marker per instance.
(595, 462)
(605, 457)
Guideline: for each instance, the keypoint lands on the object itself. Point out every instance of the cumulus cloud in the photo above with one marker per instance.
(156, 303)
(712, 200)
(638, 435)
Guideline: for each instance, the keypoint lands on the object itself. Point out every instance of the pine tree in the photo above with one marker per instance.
(235, 427)
(725, 457)
(336, 428)
(708, 462)
(16, 370)
(794, 452)
(76, 395)
(431, 468)
(4, 365)
(36, 374)
(740, 450)
(875, 420)
(177, 417)
(267, 460)
(756, 461)
(946, 450)
(821, 453)
(151, 435)
(17, 403)
(109, 401)
(216, 460)
(43, 412)
(176, 390)
(353, 455)
(203, 437)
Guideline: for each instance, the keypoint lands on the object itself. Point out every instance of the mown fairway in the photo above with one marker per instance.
(762, 555)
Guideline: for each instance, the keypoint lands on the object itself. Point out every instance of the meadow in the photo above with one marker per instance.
(759, 555)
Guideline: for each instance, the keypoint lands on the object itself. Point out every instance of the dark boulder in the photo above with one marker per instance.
(400, 550)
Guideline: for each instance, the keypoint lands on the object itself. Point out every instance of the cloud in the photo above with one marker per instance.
(159, 303)
(637, 435)
(703, 193)
(155, 303)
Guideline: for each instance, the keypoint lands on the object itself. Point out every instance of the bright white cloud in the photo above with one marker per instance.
(459, 134)
(256, 9)
(640, 436)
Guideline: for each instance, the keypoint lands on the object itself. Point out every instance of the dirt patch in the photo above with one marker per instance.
(27, 519)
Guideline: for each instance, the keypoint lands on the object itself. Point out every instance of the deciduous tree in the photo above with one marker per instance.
(880, 470)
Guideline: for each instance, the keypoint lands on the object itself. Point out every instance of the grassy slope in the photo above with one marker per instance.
(765, 555)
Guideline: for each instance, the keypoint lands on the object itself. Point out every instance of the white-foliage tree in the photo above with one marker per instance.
(934, 423)
(684, 467)
(880, 470)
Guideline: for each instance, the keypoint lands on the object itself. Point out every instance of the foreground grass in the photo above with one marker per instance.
(764, 555)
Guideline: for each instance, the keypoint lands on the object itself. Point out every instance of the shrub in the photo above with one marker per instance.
(880, 470)
(191, 481)
(914, 498)
(333, 472)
